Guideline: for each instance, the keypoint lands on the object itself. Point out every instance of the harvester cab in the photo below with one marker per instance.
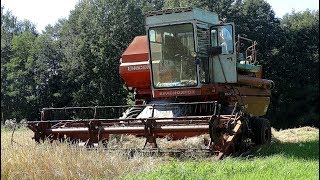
(189, 55)
(189, 78)
(189, 48)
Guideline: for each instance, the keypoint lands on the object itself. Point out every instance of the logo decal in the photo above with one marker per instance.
(177, 93)
(138, 67)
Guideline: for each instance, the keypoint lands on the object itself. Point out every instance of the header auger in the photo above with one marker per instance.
(189, 78)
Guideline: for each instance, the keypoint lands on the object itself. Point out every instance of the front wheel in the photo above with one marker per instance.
(261, 129)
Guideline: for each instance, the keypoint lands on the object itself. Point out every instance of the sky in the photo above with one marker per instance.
(44, 12)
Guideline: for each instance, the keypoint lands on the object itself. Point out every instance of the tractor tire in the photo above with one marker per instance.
(261, 129)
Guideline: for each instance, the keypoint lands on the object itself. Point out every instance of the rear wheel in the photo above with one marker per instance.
(261, 129)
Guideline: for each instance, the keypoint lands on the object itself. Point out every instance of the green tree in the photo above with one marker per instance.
(94, 37)
(20, 84)
(16, 62)
(8, 30)
(48, 77)
(297, 70)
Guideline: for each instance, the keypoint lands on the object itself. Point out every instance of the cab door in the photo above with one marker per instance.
(223, 63)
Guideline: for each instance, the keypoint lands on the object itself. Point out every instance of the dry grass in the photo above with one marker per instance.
(295, 135)
(28, 160)
(130, 141)
(59, 161)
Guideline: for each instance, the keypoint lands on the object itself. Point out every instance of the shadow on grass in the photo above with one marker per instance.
(308, 150)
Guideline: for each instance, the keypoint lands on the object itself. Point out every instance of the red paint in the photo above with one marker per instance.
(136, 75)
(137, 51)
(134, 68)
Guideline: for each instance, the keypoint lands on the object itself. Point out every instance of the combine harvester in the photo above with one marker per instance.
(188, 78)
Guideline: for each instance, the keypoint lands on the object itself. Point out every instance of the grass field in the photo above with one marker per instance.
(293, 154)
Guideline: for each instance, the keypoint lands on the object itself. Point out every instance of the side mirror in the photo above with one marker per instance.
(213, 51)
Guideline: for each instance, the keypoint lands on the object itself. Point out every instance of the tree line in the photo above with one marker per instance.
(75, 61)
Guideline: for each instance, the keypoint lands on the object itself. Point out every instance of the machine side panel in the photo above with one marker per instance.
(255, 105)
(136, 74)
(137, 51)
(224, 69)
(134, 67)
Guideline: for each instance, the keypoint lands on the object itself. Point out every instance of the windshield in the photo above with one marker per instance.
(171, 49)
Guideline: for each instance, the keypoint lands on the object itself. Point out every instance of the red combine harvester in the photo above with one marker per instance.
(189, 77)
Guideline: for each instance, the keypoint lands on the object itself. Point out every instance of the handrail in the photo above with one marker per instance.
(251, 52)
